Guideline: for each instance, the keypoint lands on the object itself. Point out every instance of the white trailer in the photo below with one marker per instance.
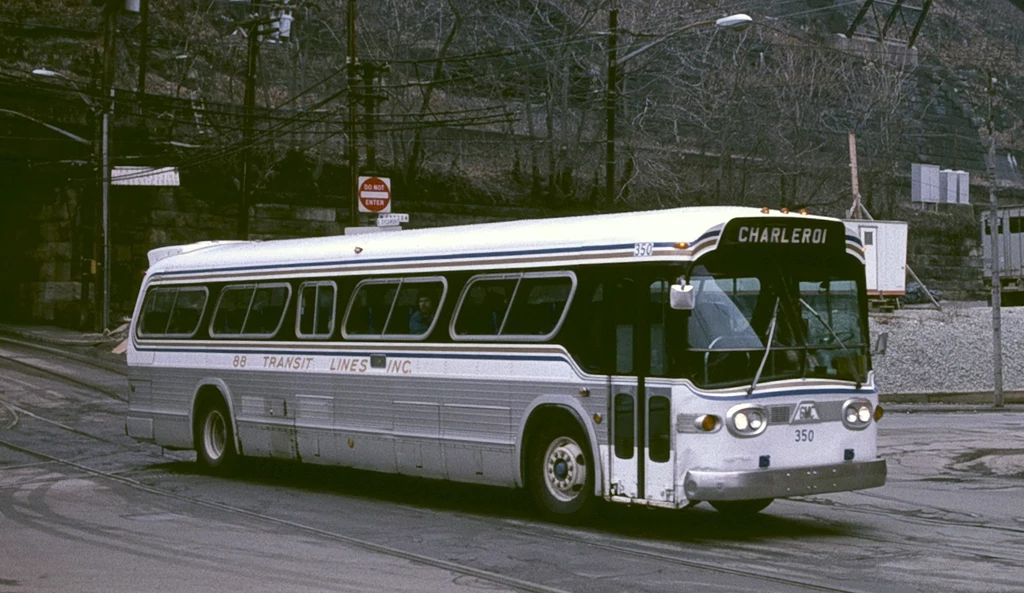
(1010, 231)
(885, 255)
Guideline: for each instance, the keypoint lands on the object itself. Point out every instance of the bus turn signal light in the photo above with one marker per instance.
(879, 412)
(707, 423)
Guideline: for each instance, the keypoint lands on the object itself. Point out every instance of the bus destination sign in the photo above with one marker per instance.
(784, 232)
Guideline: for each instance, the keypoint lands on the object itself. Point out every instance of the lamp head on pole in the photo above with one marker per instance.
(735, 21)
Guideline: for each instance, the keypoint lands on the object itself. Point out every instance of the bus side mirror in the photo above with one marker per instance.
(682, 298)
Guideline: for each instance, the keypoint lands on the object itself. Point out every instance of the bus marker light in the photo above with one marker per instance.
(351, 444)
(879, 412)
(765, 210)
(584, 392)
(597, 418)
(803, 211)
(785, 211)
(358, 249)
(681, 245)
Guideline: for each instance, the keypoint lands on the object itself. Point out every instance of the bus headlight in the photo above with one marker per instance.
(746, 420)
(857, 414)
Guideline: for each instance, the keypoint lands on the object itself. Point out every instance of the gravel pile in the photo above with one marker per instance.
(948, 351)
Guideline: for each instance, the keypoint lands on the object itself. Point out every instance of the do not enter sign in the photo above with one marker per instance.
(374, 194)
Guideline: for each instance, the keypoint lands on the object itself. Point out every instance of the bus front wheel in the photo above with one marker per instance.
(215, 438)
(561, 474)
(741, 508)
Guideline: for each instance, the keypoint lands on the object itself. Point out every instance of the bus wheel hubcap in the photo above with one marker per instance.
(216, 435)
(565, 469)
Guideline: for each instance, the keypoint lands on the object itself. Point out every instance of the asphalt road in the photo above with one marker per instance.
(83, 508)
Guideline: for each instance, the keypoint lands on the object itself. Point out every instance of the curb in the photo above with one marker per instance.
(976, 398)
(69, 347)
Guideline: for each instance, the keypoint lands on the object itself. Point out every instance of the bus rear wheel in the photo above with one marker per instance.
(215, 438)
(741, 508)
(561, 479)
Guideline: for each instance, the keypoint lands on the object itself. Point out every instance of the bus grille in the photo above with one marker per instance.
(779, 414)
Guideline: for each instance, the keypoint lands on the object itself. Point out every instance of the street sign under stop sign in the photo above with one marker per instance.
(374, 194)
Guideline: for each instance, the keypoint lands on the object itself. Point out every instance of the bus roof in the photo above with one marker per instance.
(526, 243)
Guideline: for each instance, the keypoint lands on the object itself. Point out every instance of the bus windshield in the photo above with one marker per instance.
(764, 320)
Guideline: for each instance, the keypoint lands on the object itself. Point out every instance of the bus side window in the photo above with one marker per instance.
(372, 304)
(483, 308)
(267, 311)
(232, 309)
(188, 311)
(157, 311)
(316, 309)
(538, 305)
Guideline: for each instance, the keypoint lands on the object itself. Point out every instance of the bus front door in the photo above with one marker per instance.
(640, 453)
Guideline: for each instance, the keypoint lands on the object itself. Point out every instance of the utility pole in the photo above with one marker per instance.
(351, 63)
(143, 46)
(106, 108)
(248, 118)
(611, 100)
(997, 304)
(854, 184)
(371, 72)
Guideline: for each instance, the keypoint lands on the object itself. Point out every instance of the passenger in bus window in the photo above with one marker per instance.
(421, 318)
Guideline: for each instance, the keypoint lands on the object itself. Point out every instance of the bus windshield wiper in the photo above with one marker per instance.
(767, 348)
(823, 322)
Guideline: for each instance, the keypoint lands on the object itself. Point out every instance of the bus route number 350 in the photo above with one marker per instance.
(804, 435)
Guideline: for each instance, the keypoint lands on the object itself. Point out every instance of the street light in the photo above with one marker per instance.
(735, 22)
(104, 161)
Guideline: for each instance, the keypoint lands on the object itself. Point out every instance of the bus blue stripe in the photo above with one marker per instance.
(792, 392)
(418, 258)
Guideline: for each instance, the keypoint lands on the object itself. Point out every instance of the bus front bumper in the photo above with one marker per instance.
(700, 485)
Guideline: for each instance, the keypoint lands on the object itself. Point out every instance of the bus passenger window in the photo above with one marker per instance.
(267, 310)
(232, 308)
(156, 311)
(483, 308)
(371, 306)
(538, 306)
(415, 307)
(316, 310)
(188, 311)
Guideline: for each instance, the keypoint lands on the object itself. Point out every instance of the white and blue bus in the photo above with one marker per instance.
(660, 358)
